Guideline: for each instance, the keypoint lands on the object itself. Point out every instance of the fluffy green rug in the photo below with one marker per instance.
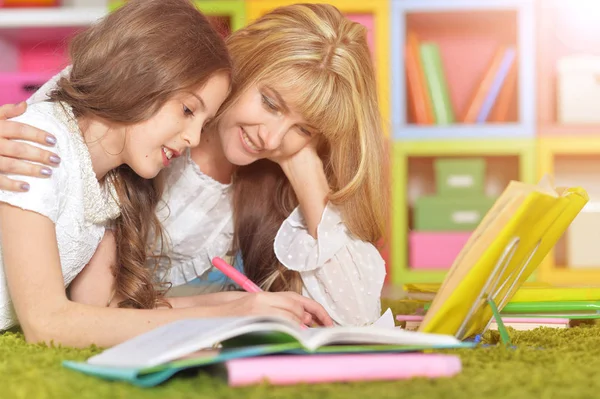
(546, 363)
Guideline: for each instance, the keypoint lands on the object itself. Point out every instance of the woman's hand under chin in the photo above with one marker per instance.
(305, 172)
(297, 165)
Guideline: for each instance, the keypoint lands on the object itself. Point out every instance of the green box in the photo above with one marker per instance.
(439, 213)
(460, 176)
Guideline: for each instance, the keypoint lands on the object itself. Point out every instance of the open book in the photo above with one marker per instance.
(152, 357)
(512, 239)
(178, 339)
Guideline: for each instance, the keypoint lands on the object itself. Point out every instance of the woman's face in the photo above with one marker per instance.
(263, 124)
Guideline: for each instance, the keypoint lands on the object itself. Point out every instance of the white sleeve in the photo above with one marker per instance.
(342, 273)
(45, 196)
(42, 93)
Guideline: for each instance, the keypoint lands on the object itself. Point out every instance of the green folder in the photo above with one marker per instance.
(572, 309)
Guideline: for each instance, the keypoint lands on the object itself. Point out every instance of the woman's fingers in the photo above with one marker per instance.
(12, 110)
(26, 152)
(13, 185)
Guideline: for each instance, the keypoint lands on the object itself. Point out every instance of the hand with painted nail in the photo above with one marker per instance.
(19, 158)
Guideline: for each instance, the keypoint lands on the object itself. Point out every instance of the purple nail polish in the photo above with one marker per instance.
(25, 186)
(51, 140)
(55, 159)
(46, 171)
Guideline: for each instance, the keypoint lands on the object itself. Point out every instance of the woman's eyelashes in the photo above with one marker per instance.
(187, 111)
(270, 104)
(305, 131)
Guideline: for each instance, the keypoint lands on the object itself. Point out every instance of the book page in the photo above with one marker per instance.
(181, 338)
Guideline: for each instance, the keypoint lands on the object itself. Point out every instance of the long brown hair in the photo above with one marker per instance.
(124, 69)
(311, 50)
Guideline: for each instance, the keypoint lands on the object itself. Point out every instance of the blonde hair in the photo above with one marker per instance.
(314, 51)
(125, 68)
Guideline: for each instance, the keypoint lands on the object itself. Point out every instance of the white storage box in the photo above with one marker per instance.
(583, 238)
(578, 90)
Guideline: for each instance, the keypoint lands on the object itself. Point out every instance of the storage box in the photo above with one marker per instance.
(428, 250)
(459, 176)
(583, 238)
(578, 90)
(438, 213)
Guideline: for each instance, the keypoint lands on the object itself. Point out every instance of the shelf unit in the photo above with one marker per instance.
(564, 29)
(374, 14)
(33, 43)
(232, 10)
(552, 270)
(463, 28)
(20, 18)
(522, 149)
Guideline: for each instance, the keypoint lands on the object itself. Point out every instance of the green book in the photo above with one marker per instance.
(436, 83)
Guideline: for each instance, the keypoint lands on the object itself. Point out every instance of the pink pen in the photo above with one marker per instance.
(235, 275)
(238, 277)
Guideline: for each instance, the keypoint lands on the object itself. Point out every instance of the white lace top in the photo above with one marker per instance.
(72, 199)
(342, 273)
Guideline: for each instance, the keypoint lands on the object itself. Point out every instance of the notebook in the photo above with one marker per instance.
(152, 357)
(412, 322)
(510, 242)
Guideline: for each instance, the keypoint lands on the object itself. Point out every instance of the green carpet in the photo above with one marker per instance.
(547, 363)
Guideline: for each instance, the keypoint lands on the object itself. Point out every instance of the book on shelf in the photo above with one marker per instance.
(417, 86)
(508, 59)
(428, 88)
(437, 86)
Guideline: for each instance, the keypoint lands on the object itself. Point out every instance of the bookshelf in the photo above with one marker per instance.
(374, 14)
(230, 14)
(505, 160)
(33, 43)
(464, 29)
(573, 161)
(564, 29)
(570, 151)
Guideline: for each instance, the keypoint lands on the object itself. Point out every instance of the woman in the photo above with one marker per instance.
(293, 165)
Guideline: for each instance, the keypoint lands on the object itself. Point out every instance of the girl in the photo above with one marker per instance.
(144, 82)
(293, 165)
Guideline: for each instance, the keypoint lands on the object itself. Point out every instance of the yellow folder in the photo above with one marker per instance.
(512, 239)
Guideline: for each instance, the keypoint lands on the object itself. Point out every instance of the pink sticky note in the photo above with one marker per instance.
(295, 369)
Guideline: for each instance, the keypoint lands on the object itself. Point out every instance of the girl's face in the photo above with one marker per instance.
(154, 143)
(262, 124)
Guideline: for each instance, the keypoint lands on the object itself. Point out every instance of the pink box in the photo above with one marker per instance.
(435, 250)
(16, 86)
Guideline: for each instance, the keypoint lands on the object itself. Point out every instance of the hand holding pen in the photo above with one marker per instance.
(282, 303)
